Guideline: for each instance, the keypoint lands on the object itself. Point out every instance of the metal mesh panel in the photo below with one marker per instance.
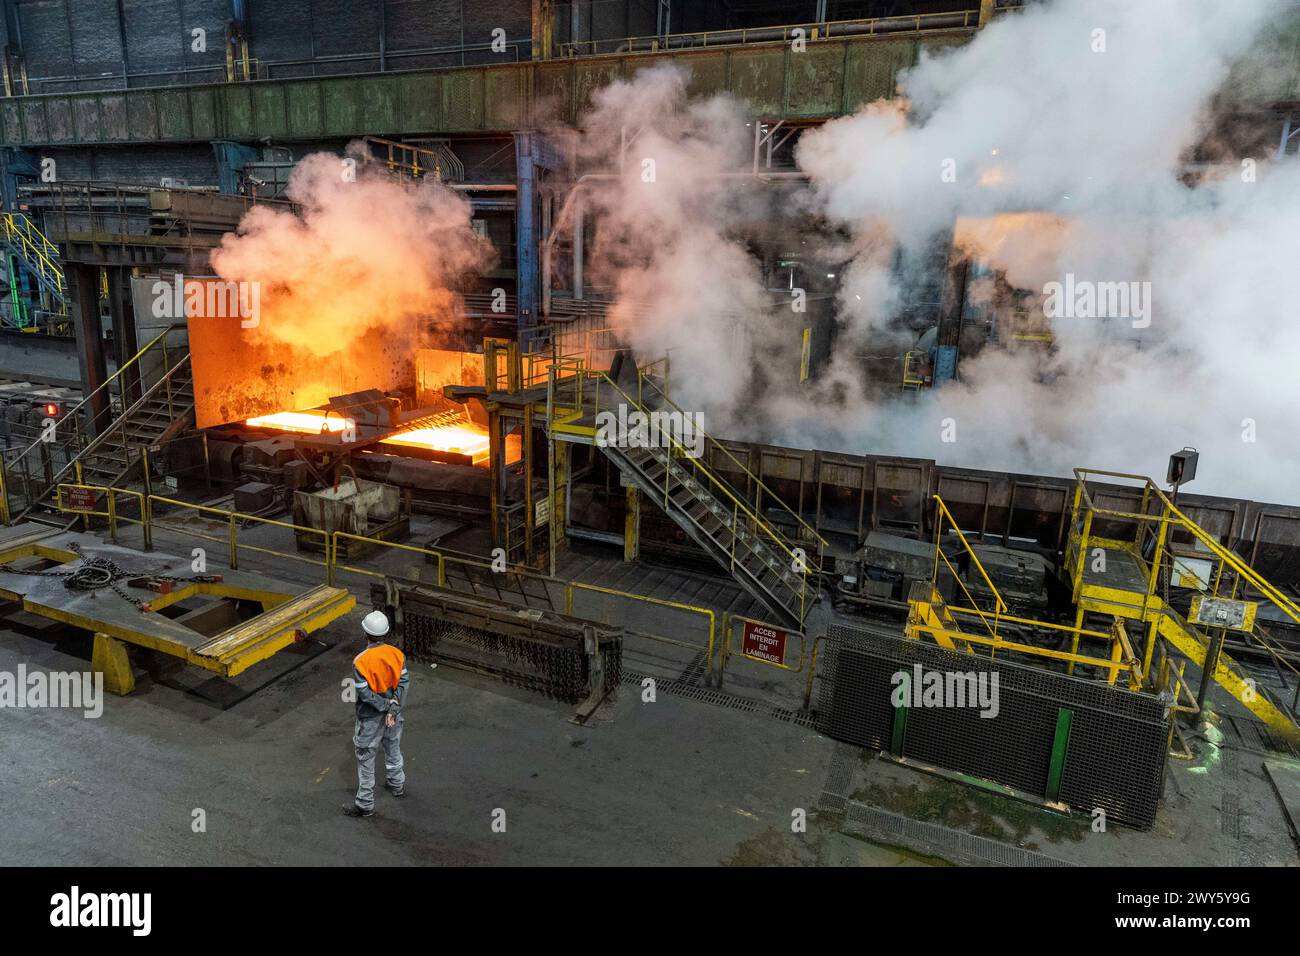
(1117, 741)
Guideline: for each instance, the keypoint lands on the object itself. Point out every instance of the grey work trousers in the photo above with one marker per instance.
(369, 736)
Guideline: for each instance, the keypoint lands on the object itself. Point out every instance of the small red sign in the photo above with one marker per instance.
(80, 499)
(763, 643)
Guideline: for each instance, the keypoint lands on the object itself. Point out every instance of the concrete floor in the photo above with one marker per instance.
(694, 778)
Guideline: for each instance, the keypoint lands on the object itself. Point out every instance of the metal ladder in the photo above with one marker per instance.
(165, 408)
(778, 570)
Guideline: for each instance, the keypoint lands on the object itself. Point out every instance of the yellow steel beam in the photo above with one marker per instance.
(1172, 629)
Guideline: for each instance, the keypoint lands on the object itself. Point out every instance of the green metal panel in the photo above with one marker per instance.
(303, 108)
(816, 86)
(268, 110)
(708, 72)
(553, 91)
(871, 70)
(589, 77)
(759, 77)
(11, 121)
(939, 45)
(239, 112)
(342, 104)
(462, 101)
(505, 95)
(58, 111)
(204, 112)
(379, 104)
(174, 115)
(1060, 745)
(419, 102)
(142, 116)
(112, 118)
(900, 715)
(34, 126)
(85, 118)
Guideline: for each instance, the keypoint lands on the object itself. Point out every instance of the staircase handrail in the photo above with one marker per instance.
(1174, 516)
(726, 451)
(801, 564)
(71, 413)
(120, 422)
(41, 257)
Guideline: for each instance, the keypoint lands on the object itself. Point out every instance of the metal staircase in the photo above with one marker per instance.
(1130, 578)
(161, 413)
(773, 566)
(151, 400)
(34, 271)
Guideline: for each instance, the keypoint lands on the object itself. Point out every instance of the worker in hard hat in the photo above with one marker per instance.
(380, 675)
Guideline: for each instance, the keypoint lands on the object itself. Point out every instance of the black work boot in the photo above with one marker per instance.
(352, 810)
(398, 792)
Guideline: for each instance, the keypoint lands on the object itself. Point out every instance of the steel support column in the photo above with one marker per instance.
(632, 525)
(526, 233)
(125, 340)
(83, 281)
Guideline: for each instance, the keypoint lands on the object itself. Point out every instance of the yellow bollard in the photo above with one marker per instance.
(110, 658)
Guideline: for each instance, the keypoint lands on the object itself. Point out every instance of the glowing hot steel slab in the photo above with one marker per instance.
(459, 439)
(311, 423)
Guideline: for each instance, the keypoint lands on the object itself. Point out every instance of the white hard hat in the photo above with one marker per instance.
(375, 624)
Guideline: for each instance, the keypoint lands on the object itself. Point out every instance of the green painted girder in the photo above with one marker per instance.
(830, 78)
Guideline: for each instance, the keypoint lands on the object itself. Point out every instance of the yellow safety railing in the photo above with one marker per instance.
(332, 565)
(912, 377)
(763, 490)
(1114, 665)
(799, 559)
(729, 621)
(71, 414)
(1000, 606)
(571, 587)
(1154, 525)
(35, 247)
(77, 444)
(233, 519)
(1168, 518)
(112, 512)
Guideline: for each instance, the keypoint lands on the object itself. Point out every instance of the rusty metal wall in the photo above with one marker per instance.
(846, 496)
(831, 78)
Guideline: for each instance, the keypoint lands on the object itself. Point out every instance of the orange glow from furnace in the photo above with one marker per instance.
(311, 423)
(458, 439)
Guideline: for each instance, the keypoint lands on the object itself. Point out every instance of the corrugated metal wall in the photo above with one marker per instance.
(77, 44)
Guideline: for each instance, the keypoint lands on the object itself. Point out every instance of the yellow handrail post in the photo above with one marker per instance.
(234, 546)
(112, 516)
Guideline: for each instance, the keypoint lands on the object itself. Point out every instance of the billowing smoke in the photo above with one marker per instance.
(1084, 112)
(667, 231)
(349, 287)
(1052, 148)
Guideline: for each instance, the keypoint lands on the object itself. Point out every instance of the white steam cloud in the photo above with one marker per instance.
(1057, 141)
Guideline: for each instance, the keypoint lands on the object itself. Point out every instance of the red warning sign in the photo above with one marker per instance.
(763, 643)
(79, 499)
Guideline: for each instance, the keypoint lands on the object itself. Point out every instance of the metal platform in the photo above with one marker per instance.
(35, 562)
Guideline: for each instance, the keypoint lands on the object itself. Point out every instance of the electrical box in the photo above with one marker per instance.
(1182, 466)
